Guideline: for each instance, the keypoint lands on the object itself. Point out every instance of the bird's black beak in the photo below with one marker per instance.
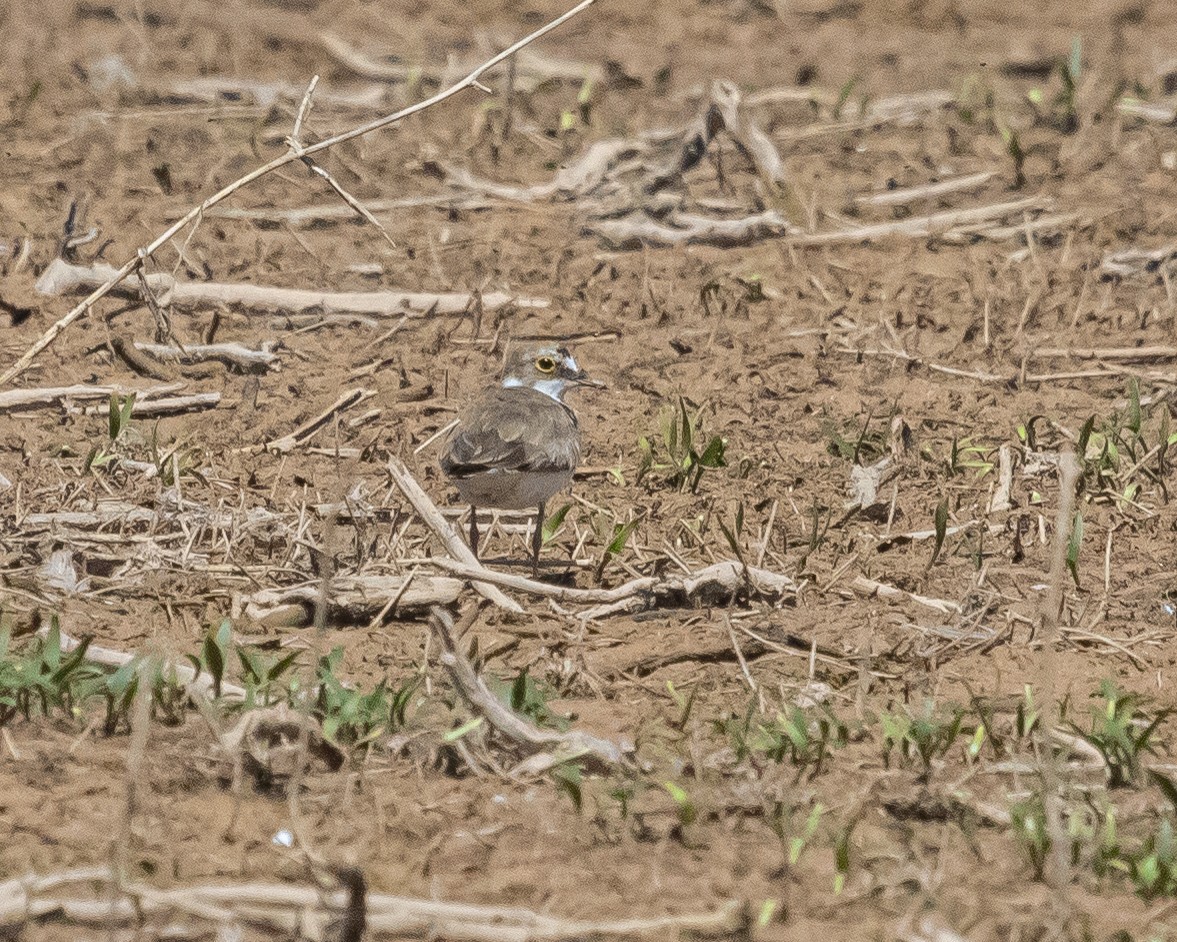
(581, 378)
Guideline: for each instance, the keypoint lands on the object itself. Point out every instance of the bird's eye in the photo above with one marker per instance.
(545, 365)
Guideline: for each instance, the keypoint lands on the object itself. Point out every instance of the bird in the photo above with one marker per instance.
(518, 443)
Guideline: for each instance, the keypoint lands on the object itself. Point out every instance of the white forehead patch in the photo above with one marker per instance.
(570, 363)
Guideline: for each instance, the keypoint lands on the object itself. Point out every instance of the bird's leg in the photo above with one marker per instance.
(537, 539)
(474, 530)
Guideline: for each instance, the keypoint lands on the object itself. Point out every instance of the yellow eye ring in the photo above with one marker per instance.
(545, 365)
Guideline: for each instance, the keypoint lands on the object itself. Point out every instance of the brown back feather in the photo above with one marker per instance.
(515, 429)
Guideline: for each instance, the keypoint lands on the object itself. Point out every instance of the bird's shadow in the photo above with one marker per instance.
(552, 572)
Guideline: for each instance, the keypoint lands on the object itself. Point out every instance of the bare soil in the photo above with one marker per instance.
(783, 348)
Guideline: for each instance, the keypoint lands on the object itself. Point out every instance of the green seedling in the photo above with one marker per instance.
(462, 731)
(584, 101)
(1029, 824)
(927, 735)
(802, 737)
(860, 446)
(528, 697)
(42, 678)
(552, 524)
(844, 94)
(818, 528)
(685, 705)
(688, 814)
(618, 537)
(677, 458)
(1122, 731)
(940, 525)
(1026, 716)
(966, 456)
(263, 675)
(1013, 147)
(569, 779)
(798, 843)
(351, 718)
(1153, 868)
(842, 858)
(733, 533)
(1074, 543)
(977, 101)
(214, 655)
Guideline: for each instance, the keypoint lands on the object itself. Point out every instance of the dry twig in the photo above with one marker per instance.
(433, 519)
(307, 911)
(61, 277)
(570, 745)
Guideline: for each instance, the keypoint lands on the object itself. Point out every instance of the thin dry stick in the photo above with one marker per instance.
(714, 581)
(1058, 865)
(470, 81)
(24, 398)
(304, 910)
(60, 277)
(136, 751)
(303, 432)
(294, 142)
(1122, 354)
(902, 197)
(474, 690)
(433, 519)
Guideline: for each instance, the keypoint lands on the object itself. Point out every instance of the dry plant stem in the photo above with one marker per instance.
(289, 442)
(757, 145)
(713, 581)
(869, 587)
(571, 744)
(354, 598)
(168, 405)
(61, 277)
(1058, 864)
(433, 519)
(232, 354)
(1120, 354)
(29, 398)
(294, 142)
(307, 910)
(923, 226)
(902, 197)
(193, 215)
(304, 216)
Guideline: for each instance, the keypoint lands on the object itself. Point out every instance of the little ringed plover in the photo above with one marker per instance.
(518, 444)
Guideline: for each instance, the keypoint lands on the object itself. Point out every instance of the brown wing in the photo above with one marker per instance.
(513, 429)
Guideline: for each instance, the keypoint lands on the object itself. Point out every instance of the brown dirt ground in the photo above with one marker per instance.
(767, 373)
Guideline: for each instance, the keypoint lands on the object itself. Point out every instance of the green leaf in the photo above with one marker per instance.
(553, 523)
(468, 727)
(1135, 418)
(687, 813)
(1073, 546)
(1075, 62)
(114, 417)
(1167, 786)
(713, 454)
(941, 530)
(1085, 437)
(621, 535)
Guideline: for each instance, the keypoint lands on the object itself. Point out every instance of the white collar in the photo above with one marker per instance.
(549, 387)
